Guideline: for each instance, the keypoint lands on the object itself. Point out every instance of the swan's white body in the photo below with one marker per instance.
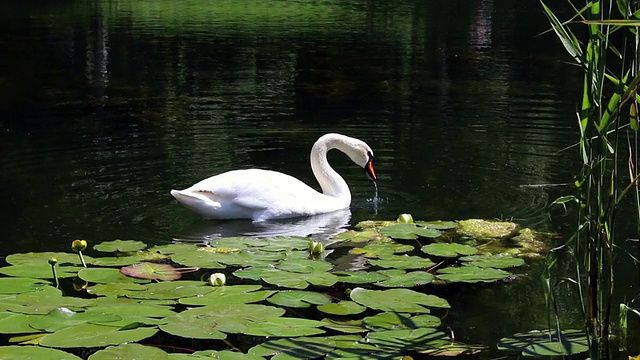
(264, 194)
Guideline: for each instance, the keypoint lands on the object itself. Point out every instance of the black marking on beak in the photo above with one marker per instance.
(368, 168)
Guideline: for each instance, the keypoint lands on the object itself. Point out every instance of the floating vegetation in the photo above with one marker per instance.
(254, 298)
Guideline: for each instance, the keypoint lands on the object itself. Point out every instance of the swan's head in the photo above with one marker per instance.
(361, 154)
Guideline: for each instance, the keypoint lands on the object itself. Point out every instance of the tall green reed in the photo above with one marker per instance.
(608, 55)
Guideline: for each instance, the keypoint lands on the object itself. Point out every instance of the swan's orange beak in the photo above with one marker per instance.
(371, 172)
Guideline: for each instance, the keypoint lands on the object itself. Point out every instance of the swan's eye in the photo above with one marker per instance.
(371, 157)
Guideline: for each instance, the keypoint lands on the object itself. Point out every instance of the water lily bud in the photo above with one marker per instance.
(217, 279)
(53, 261)
(405, 219)
(316, 247)
(79, 245)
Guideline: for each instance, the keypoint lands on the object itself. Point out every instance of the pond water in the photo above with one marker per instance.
(108, 105)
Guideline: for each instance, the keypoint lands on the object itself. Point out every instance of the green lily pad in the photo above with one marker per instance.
(354, 347)
(407, 340)
(298, 299)
(393, 320)
(107, 275)
(39, 258)
(487, 229)
(34, 352)
(213, 354)
(400, 278)
(494, 261)
(134, 313)
(60, 318)
(123, 260)
(397, 300)
(305, 266)
(545, 343)
(401, 262)
(409, 232)
(39, 271)
(92, 335)
(471, 274)
(285, 327)
(381, 249)
(438, 224)
(199, 258)
(230, 294)
(129, 351)
(287, 279)
(172, 290)
(343, 307)
(448, 250)
(21, 285)
(367, 235)
(12, 323)
(152, 271)
(41, 302)
(344, 326)
(214, 321)
(115, 289)
(359, 277)
(298, 348)
(120, 246)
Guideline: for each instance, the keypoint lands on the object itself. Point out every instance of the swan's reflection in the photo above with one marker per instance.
(320, 227)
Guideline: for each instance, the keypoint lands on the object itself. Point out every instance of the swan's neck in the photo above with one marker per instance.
(330, 181)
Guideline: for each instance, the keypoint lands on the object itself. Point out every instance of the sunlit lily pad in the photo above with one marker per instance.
(438, 224)
(107, 275)
(359, 277)
(129, 351)
(120, 246)
(172, 290)
(393, 320)
(39, 271)
(134, 313)
(21, 285)
(287, 279)
(230, 294)
(60, 318)
(92, 335)
(304, 266)
(401, 262)
(407, 340)
(214, 321)
(298, 348)
(354, 347)
(41, 302)
(354, 236)
(39, 258)
(487, 229)
(400, 278)
(545, 343)
(382, 249)
(34, 352)
(409, 232)
(397, 300)
(285, 327)
(344, 326)
(116, 289)
(343, 307)
(298, 299)
(213, 354)
(152, 271)
(471, 274)
(449, 250)
(494, 261)
(121, 260)
(12, 323)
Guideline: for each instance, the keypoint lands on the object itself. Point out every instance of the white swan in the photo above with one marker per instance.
(264, 194)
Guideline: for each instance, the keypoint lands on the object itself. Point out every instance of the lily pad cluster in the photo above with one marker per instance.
(299, 304)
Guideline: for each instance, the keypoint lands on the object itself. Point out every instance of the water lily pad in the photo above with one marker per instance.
(172, 290)
(359, 277)
(213, 354)
(39, 258)
(546, 343)
(367, 235)
(21, 285)
(409, 232)
(214, 321)
(92, 335)
(298, 298)
(379, 250)
(34, 352)
(107, 275)
(287, 279)
(152, 271)
(401, 262)
(487, 229)
(60, 318)
(134, 313)
(122, 260)
(356, 348)
(397, 300)
(344, 326)
(120, 246)
(471, 274)
(298, 348)
(400, 278)
(39, 271)
(304, 266)
(449, 250)
(129, 351)
(41, 302)
(438, 224)
(343, 307)
(494, 261)
(230, 294)
(393, 320)
(115, 289)
(285, 327)
(198, 258)
(12, 323)
(407, 340)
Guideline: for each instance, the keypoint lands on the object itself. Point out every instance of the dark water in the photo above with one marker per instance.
(107, 105)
